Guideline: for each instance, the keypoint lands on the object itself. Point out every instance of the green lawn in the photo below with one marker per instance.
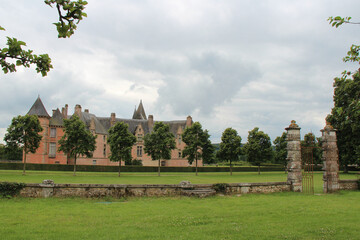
(252, 216)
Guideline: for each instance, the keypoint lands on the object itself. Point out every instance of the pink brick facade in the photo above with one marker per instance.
(139, 125)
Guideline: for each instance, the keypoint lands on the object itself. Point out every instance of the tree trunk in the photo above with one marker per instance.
(159, 168)
(119, 167)
(346, 169)
(74, 166)
(230, 168)
(259, 169)
(24, 165)
(196, 165)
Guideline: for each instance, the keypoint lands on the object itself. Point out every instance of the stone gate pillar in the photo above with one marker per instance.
(294, 156)
(330, 159)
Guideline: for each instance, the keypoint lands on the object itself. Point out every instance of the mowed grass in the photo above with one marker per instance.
(152, 178)
(251, 216)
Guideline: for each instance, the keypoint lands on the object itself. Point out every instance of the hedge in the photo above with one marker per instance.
(98, 168)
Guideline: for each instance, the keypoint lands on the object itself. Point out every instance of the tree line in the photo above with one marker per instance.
(23, 135)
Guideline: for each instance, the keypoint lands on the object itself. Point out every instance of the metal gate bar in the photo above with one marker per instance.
(308, 170)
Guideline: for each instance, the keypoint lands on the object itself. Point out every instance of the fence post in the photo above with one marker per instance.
(294, 157)
(330, 159)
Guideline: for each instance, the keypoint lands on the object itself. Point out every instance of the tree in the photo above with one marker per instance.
(77, 140)
(280, 153)
(121, 142)
(345, 115)
(312, 145)
(11, 152)
(159, 143)
(24, 132)
(230, 146)
(345, 118)
(258, 147)
(208, 151)
(197, 144)
(73, 12)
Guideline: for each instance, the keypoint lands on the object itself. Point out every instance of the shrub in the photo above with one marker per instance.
(220, 187)
(8, 189)
(136, 162)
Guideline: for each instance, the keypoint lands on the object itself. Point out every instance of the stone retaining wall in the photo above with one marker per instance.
(123, 190)
(348, 184)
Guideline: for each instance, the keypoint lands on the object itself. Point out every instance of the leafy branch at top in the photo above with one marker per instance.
(22, 57)
(337, 21)
(73, 14)
(353, 55)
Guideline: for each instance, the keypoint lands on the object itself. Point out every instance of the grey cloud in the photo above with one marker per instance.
(214, 79)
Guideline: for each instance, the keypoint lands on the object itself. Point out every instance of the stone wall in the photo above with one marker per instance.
(348, 184)
(123, 190)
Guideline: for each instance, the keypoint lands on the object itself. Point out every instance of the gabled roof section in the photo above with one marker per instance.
(140, 112)
(38, 109)
(57, 119)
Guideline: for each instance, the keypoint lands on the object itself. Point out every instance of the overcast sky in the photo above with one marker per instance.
(228, 63)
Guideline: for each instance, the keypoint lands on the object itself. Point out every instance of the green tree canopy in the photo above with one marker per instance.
(280, 153)
(24, 132)
(197, 144)
(345, 118)
(258, 147)
(159, 143)
(230, 146)
(121, 141)
(77, 140)
(312, 145)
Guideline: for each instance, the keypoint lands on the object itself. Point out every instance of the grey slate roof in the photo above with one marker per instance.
(57, 119)
(133, 124)
(86, 117)
(38, 109)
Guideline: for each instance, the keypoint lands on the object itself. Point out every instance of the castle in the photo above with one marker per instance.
(139, 125)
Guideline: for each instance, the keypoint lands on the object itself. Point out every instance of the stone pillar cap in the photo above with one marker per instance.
(293, 125)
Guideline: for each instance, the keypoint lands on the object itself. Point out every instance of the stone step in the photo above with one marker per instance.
(200, 192)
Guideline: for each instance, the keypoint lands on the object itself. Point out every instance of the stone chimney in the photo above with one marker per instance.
(112, 120)
(188, 121)
(64, 111)
(87, 110)
(78, 110)
(53, 112)
(150, 121)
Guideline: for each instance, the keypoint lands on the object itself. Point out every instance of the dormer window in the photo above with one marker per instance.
(139, 137)
(52, 132)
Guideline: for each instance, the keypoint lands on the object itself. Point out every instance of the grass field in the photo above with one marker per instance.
(252, 216)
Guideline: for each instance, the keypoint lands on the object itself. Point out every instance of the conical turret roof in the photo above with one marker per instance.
(38, 109)
(140, 112)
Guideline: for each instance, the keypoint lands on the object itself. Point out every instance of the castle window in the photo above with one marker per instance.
(52, 149)
(139, 151)
(52, 132)
(179, 139)
(139, 137)
(179, 154)
(104, 138)
(104, 151)
(94, 162)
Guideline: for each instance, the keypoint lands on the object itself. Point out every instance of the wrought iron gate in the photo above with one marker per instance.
(307, 163)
